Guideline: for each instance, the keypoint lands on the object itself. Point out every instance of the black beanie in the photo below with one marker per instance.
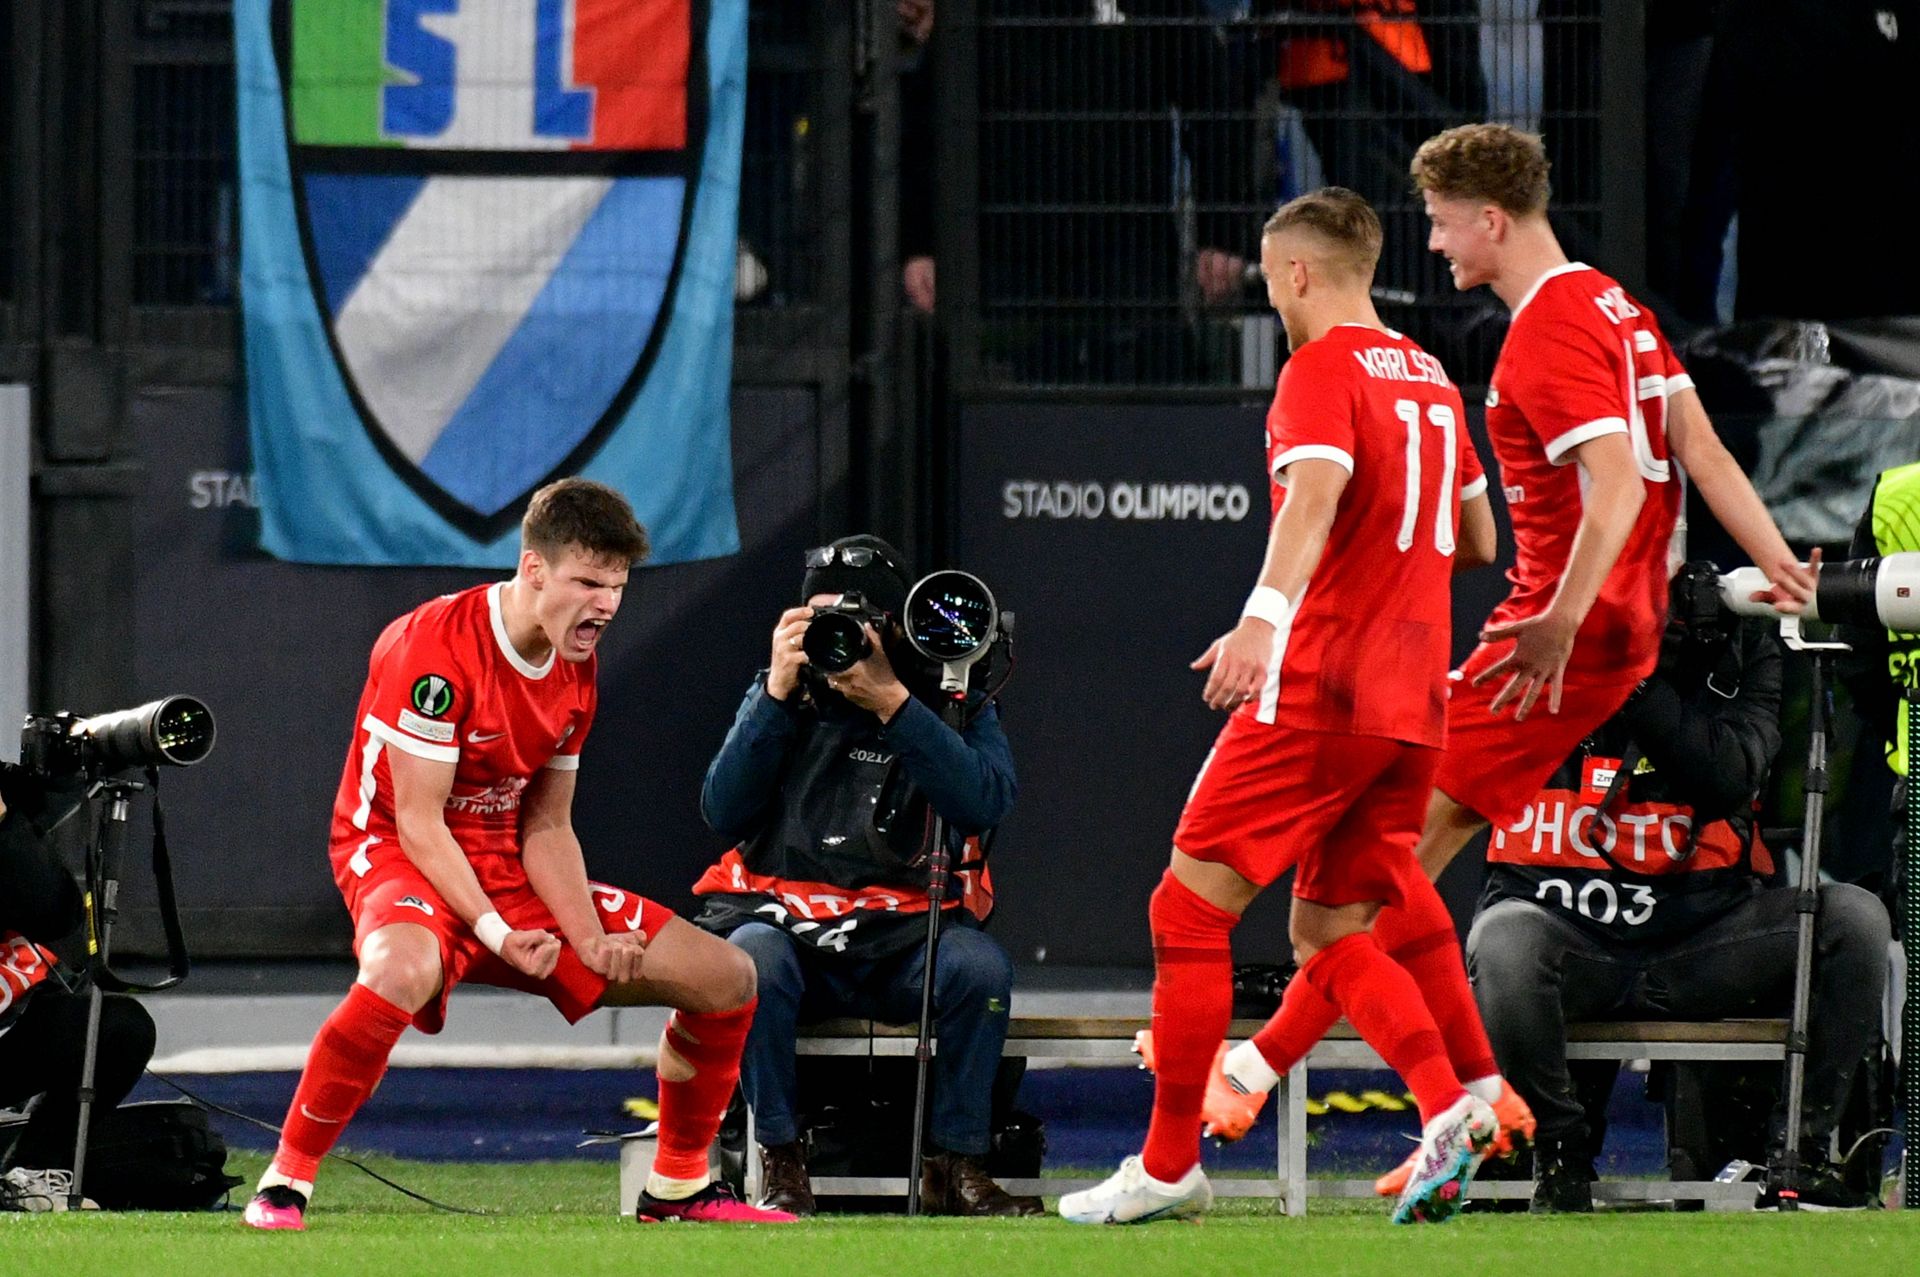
(882, 581)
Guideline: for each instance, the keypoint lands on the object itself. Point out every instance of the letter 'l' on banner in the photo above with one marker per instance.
(484, 244)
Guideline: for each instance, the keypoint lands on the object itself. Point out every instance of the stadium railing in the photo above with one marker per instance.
(1088, 1040)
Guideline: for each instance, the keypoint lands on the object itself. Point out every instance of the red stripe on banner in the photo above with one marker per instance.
(635, 54)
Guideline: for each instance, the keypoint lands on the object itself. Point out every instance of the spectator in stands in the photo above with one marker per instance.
(1636, 885)
(43, 1021)
(1367, 85)
(919, 190)
(825, 785)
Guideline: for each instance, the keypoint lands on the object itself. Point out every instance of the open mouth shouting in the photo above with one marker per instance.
(582, 638)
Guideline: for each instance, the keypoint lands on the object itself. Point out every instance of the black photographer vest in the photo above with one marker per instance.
(1629, 867)
(840, 861)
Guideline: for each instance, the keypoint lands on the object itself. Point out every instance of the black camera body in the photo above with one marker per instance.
(174, 731)
(1694, 605)
(836, 639)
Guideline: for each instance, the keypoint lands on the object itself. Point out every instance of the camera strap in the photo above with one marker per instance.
(177, 962)
(1616, 791)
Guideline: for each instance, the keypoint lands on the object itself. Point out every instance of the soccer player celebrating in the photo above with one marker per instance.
(1588, 410)
(1336, 675)
(453, 845)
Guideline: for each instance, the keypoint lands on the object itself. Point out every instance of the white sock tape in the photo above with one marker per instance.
(492, 930)
(1267, 604)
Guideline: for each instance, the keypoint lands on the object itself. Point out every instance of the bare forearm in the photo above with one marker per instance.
(1294, 547)
(1612, 507)
(557, 870)
(431, 847)
(1736, 505)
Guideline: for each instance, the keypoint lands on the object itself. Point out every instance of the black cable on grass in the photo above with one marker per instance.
(360, 1166)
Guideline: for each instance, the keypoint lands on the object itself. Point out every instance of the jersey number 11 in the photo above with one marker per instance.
(1441, 417)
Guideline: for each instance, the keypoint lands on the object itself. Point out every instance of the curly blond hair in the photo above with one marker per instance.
(1493, 162)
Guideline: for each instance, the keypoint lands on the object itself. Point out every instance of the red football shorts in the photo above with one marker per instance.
(393, 890)
(1496, 766)
(1342, 811)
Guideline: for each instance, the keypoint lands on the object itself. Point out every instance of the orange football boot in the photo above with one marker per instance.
(1226, 1112)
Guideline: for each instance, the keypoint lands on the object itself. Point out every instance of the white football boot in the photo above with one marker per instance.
(1131, 1196)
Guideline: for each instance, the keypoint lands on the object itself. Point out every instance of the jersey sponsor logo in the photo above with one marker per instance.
(1514, 493)
(414, 902)
(557, 142)
(481, 738)
(426, 728)
(1493, 396)
(432, 695)
(491, 801)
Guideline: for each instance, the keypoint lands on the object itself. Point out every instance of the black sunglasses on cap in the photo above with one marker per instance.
(853, 556)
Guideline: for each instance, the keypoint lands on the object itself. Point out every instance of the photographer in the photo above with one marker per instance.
(826, 783)
(1635, 885)
(43, 1023)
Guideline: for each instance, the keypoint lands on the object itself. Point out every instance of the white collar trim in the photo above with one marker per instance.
(507, 649)
(1354, 323)
(1568, 269)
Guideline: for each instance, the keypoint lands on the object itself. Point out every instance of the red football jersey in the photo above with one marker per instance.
(1365, 651)
(1583, 360)
(444, 683)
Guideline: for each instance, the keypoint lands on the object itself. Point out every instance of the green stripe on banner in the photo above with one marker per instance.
(339, 68)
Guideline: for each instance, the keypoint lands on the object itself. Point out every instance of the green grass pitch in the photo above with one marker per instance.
(557, 1220)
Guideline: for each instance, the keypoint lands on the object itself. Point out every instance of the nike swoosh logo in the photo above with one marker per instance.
(481, 738)
(312, 1116)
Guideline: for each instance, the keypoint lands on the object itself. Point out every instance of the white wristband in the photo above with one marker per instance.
(492, 930)
(1267, 604)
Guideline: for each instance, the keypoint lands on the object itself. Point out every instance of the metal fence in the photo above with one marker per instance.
(1131, 150)
(185, 210)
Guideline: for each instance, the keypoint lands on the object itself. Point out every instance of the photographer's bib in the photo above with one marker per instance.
(840, 864)
(24, 966)
(1633, 872)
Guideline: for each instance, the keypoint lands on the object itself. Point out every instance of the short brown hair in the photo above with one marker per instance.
(1493, 162)
(583, 513)
(1338, 216)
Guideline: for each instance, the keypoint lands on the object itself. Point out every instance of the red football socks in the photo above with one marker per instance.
(1380, 999)
(346, 1061)
(1302, 1020)
(690, 1111)
(1418, 934)
(1192, 1007)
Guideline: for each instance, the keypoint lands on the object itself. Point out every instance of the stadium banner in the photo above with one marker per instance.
(487, 243)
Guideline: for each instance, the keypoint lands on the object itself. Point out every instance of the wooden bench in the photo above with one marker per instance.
(1091, 1040)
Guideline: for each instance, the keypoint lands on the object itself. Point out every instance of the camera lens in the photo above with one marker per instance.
(835, 642)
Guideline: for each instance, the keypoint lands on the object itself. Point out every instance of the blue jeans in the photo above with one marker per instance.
(799, 985)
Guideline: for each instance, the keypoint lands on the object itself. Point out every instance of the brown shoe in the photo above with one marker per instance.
(783, 1179)
(956, 1184)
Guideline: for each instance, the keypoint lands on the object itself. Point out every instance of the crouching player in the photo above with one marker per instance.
(453, 845)
(1337, 676)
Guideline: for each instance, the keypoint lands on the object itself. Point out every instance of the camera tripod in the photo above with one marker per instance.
(106, 844)
(1781, 1177)
(939, 873)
